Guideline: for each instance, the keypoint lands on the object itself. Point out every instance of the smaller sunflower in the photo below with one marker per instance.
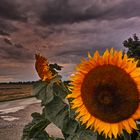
(105, 92)
(42, 68)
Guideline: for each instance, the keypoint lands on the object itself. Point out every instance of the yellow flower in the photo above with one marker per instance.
(105, 91)
(42, 68)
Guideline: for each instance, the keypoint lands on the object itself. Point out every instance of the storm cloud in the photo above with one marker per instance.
(70, 11)
(11, 10)
(62, 30)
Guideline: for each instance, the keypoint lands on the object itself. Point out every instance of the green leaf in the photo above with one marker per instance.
(71, 126)
(36, 116)
(48, 94)
(82, 134)
(87, 135)
(38, 127)
(60, 90)
(72, 112)
(40, 91)
(33, 129)
(42, 135)
(57, 112)
(44, 91)
(53, 108)
(73, 137)
(37, 87)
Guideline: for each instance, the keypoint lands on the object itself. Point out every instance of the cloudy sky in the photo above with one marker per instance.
(61, 30)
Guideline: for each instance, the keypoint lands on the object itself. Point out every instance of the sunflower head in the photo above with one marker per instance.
(105, 92)
(42, 68)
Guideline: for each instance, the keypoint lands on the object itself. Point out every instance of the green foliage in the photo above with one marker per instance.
(133, 46)
(35, 129)
(55, 110)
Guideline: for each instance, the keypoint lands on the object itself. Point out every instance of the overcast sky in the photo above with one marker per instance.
(61, 30)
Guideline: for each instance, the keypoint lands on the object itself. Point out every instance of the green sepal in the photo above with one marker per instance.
(55, 66)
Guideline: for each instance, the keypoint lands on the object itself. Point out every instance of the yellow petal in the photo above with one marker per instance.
(106, 57)
(80, 109)
(131, 67)
(79, 116)
(110, 134)
(90, 122)
(85, 118)
(96, 124)
(132, 123)
(96, 56)
(42, 68)
(114, 129)
(107, 128)
(135, 73)
(111, 51)
(73, 95)
(120, 128)
(89, 56)
(126, 126)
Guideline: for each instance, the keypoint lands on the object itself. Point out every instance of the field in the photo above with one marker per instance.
(15, 91)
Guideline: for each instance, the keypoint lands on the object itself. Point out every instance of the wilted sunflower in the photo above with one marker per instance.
(105, 91)
(42, 68)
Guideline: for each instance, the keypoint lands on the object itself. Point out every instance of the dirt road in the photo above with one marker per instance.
(15, 114)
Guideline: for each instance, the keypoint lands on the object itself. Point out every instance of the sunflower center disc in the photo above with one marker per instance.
(109, 93)
(105, 98)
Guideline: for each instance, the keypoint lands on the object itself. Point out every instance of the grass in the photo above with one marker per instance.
(15, 91)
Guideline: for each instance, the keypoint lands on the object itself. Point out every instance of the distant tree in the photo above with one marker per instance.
(133, 46)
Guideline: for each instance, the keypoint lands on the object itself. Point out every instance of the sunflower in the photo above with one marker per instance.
(42, 68)
(105, 92)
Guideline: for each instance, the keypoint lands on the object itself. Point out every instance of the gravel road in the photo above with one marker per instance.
(15, 114)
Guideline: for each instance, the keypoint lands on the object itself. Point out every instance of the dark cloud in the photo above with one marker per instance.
(11, 10)
(4, 33)
(6, 26)
(61, 11)
(125, 9)
(16, 53)
(18, 56)
(65, 11)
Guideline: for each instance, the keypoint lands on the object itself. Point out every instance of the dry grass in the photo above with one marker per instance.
(15, 91)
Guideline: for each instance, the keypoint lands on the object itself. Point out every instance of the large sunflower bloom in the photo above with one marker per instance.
(42, 68)
(105, 91)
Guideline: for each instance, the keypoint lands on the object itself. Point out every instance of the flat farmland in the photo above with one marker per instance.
(15, 91)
